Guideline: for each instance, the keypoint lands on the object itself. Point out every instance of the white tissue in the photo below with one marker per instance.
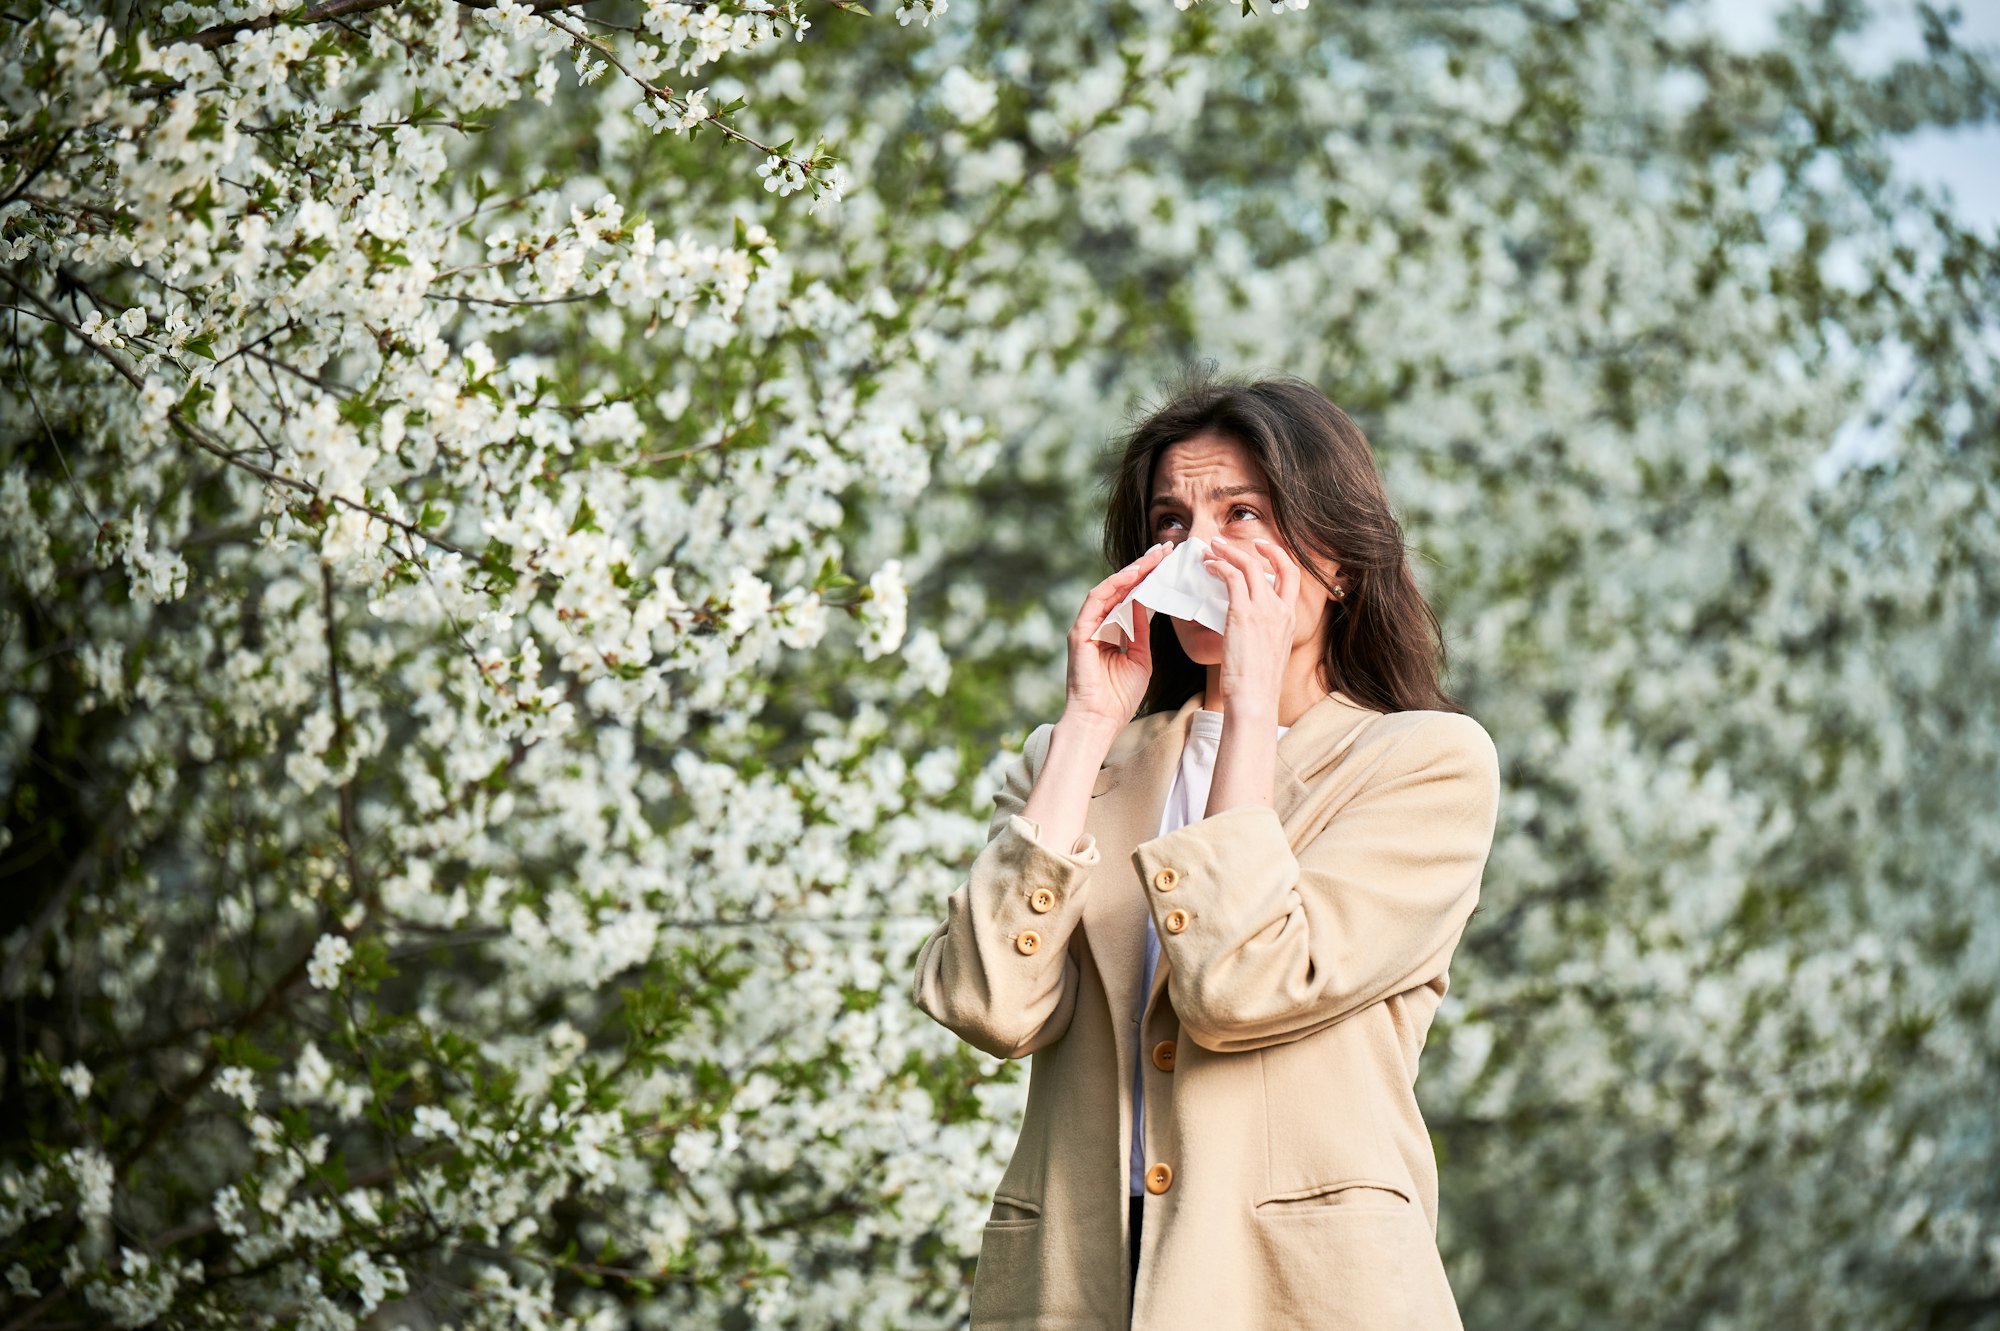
(1177, 586)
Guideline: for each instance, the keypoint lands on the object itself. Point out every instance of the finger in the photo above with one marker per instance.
(1240, 559)
(1126, 578)
(1284, 570)
(1232, 578)
(1283, 565)
(1221, 547)
(1096, 608)
(1140, 650)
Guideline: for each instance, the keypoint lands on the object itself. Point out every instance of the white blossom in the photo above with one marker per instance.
(330, 954)
(965, 96)
(435, 1122)
(239, 1083)
(92, 1171)
(885, 612)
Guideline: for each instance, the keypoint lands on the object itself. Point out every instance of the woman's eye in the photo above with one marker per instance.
(1244, 508)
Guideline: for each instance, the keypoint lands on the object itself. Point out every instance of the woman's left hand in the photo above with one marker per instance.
(1257, 634)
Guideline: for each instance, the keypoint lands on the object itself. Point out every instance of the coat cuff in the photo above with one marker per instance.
(1218, 880)
(1083, 853)
(1023, 885)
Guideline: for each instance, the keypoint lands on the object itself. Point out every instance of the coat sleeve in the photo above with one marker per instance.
(975, 974)
(1269, 946)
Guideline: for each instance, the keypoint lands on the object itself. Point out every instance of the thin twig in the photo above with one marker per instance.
(327, 385)
(667, 94)
(179, 420)
(52, 911)
(224, 33)
(509, 304)
(28, 387)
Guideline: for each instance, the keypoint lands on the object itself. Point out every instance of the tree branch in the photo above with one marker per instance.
(178, 419)
(222, 34)
(29, 947)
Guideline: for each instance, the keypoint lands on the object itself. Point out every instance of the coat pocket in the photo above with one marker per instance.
(1013, 1211)
(1007, 1282)
(1340, 1257)
(1359, 1194)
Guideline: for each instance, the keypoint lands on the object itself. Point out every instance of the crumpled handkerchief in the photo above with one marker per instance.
(1177, 586)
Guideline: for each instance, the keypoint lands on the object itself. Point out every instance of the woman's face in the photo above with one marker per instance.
(1211, 486)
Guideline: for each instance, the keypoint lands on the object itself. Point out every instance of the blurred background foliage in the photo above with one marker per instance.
(1686, 400)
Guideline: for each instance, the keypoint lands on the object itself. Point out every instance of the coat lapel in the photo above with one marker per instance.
(1125, 807)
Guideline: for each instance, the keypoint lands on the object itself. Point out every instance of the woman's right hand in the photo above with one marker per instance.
(1107, 682)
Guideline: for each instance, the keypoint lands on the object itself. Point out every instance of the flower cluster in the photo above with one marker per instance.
(479, 489)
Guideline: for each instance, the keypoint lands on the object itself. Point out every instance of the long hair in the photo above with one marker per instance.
(1381, 644)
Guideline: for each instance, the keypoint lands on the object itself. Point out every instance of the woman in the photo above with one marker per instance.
(1222, 927)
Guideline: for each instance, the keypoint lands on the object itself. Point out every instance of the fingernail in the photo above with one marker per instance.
(1220, 540)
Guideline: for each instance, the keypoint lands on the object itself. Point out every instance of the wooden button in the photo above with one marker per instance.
(1166, 878)
(1028, 942)
(1163, 1055)
(1177, 920)
(1043, 901)
(1159, 1177)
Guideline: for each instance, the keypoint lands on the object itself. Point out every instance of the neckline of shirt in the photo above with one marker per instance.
(1209, 719)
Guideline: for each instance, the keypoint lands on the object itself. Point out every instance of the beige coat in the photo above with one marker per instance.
(1303, 951)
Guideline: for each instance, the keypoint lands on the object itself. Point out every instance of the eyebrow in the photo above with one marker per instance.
(1215, 492)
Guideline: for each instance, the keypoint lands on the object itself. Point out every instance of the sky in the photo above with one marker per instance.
(1967, 163)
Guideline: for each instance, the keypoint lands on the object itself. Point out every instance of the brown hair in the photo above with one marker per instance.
(1382, 644)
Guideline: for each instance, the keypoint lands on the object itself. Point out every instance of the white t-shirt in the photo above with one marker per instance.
(1186, 803)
